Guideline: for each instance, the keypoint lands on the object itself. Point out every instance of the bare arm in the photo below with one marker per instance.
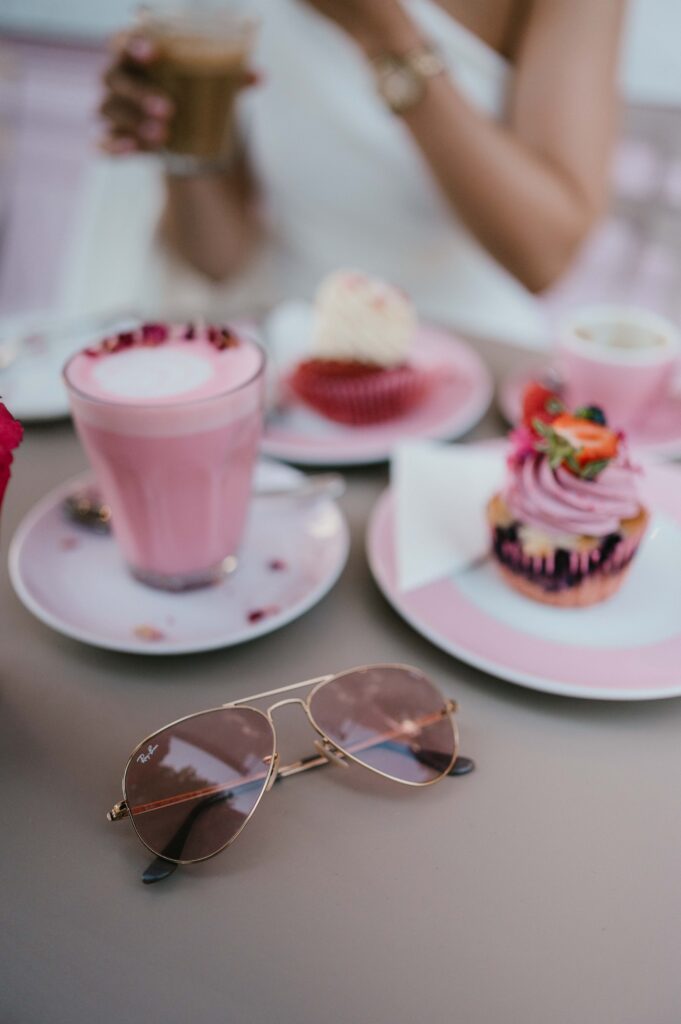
(531, 187)
(210, 219)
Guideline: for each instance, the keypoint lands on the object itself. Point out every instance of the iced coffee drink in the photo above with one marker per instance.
(201, 63)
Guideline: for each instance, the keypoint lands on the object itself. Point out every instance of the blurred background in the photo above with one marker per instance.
(51, 55)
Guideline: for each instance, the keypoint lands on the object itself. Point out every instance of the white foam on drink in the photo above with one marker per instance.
(152, 373)
(178, 386)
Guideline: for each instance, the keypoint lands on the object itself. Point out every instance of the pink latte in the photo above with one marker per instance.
(170, 417)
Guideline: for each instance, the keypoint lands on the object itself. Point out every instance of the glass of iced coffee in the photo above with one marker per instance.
(201, 62)
(170, 417)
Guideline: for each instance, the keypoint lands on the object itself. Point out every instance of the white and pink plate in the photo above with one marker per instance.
(75, 580)
(658, 435)
(457, 401)
(628, 648)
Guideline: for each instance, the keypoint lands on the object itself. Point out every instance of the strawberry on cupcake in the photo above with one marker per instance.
(569, 520)
(359, 371)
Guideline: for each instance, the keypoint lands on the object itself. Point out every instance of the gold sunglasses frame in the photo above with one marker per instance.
(329, 752)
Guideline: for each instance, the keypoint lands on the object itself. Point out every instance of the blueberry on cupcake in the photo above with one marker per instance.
(568, 522)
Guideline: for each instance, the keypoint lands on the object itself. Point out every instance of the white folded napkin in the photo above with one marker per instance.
(440, 495)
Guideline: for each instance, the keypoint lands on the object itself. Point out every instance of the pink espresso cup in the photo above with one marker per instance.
(620, 358)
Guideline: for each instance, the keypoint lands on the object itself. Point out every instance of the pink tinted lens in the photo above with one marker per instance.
(390, 718)
(191, 787)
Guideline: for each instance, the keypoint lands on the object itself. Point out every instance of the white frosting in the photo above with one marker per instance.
(152, 373)
(363, 319)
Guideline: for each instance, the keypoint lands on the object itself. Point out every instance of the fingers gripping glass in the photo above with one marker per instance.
(190, 788)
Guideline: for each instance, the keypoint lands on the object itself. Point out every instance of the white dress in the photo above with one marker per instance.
(344, 186)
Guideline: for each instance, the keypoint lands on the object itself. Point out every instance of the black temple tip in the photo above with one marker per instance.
(158, 870)
(463, 766)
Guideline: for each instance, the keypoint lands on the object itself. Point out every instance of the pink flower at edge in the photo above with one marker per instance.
(11, 433)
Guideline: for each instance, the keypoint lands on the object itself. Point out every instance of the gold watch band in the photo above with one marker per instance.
(401, 79)
(425, 61)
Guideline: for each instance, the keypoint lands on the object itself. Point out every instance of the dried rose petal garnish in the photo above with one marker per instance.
(154, 334)
(150, 633)
(277, 565)
(226, 339)
(258, 614)
(151, 334)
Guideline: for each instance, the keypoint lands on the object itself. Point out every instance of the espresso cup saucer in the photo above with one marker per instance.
(657, 435)
(458, 399)
(626, 648)
(75, 581)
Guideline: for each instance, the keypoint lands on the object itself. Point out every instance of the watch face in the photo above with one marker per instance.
(401, 87)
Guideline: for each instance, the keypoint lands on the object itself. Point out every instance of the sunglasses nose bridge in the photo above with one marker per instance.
(284, 702)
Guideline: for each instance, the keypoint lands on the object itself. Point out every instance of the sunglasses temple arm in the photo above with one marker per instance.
(462, 765)
(158, 869)
(161, 868)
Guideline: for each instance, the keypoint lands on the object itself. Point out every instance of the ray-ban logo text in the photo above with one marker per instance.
(147, 754)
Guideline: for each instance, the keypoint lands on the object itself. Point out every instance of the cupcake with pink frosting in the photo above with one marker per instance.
(359, 371)
(569, 520)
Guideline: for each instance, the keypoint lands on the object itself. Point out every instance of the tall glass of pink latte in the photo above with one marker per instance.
(170, 417)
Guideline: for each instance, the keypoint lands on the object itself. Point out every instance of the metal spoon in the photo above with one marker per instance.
(86, 508)
(327, 485)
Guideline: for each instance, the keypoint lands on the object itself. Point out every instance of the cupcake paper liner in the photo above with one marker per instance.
(568, 578)
(358, 395)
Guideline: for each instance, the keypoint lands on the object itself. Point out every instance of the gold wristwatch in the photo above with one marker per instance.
(401, 79)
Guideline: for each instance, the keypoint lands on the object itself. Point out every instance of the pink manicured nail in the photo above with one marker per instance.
(140, 48)
(152, 131)
(158, 106)
(124, 145)
(118, 145)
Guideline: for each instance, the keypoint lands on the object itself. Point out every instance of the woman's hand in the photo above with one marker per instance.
(136, 112)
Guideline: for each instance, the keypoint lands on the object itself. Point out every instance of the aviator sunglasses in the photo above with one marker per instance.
(191, 787)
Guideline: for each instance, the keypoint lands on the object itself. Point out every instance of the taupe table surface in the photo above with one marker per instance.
(543, 888)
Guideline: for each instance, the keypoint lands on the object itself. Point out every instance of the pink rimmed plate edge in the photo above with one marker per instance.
(448, 618)
(251, 631)
(435, 419)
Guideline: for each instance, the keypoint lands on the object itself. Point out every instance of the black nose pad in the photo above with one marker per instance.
(331, 753)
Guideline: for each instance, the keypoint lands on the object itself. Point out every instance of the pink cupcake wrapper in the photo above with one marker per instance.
(362, 400)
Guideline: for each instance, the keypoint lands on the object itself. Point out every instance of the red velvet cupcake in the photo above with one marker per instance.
(359, 372)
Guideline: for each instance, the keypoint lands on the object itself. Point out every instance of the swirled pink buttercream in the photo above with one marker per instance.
(560, 502)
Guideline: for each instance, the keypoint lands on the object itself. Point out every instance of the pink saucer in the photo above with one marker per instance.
(659, 435)
(454, 405)
(75, 580)
(628, 648)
